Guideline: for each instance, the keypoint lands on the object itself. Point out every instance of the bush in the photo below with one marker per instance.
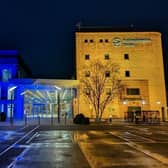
(81, 119)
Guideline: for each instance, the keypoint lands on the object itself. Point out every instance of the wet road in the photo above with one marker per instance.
(117, 147)
(128, 147)
(43, 149)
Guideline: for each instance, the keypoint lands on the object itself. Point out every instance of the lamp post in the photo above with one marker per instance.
(11, 105)
(58, 102)
(25, 110)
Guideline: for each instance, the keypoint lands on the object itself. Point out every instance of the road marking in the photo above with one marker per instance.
(144, 138)
(11, 146)
(21, 128)
(155, 156)
(31, 138)
(18, 158)
(128, 139)
(137, 147)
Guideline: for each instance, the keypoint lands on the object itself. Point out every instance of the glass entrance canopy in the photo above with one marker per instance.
(44, 98)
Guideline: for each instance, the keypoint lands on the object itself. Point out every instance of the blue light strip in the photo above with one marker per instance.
(8, 52)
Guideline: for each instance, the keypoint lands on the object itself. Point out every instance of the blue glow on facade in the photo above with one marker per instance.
(8, 71)
(9, 52)
(20, 96)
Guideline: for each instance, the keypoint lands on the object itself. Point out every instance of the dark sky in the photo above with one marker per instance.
(43, 30)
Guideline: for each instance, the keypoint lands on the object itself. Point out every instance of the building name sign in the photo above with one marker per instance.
(129, 42)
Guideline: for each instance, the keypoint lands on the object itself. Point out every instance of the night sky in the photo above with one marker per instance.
(44, 30)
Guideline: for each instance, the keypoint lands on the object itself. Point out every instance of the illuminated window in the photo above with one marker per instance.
(106, 40)
(6, 75)
(107, 74)
(101, 40)
(106, 57)
(87, 74)
(126, 56)
(127, 73)
(108, 91)
(133, 91)
(87, 57)
(86, 41)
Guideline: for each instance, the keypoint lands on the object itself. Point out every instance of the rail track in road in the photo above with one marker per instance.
(10, 151)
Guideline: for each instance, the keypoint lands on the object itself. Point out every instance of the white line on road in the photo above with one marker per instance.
(22, 128)
(137, 147)
(34, 135)
(18, 158)
(11, 146)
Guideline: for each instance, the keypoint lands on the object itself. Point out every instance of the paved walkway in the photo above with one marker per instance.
(54, 122)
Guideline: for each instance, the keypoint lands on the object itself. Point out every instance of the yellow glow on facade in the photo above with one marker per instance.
(139, 55)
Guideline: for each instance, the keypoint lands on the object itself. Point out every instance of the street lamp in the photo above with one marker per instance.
(25, 111)
(58, 102)
(11, 105)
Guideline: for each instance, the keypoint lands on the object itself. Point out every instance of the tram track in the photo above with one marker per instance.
(8, 155)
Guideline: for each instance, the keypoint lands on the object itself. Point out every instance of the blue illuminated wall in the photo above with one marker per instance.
(10, 67)
(15, 80)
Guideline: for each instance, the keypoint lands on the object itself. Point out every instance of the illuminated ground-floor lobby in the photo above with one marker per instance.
(39, 98)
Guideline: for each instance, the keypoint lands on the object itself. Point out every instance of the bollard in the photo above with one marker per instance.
(11, 121)
(25, 120)
(65, 119)
(51, 120)
(38, 120)
(110, 119)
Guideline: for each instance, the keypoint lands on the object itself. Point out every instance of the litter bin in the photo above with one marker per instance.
(2, 116)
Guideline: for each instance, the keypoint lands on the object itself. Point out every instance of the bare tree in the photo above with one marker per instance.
(100, 84)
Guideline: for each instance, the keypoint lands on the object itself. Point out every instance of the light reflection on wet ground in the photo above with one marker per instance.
(102, 149)
(8, 135)
(51, 149)
(117, 149)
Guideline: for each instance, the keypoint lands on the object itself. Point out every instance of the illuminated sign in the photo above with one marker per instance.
(116, 42)
(130, 42)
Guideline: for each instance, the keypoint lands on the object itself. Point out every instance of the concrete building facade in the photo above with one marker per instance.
(139, 55)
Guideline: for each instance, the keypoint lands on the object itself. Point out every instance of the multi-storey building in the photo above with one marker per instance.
(139, 55)
(12, 67)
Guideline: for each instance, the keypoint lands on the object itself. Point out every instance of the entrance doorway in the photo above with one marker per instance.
(49, 103)
(131, 112)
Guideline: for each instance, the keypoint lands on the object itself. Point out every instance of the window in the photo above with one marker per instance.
(106, 57)
(86, 41)
(87, 91)
(107, 73)
(87, 57)
(126, 56)
(108, 91)
(87, 74)
(133, 91)
(101, 40)
(106, 41)
(127, 73)
(6, 75)
(91, 40)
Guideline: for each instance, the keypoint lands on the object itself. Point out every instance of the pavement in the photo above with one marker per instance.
(54, 121)
(105, 145)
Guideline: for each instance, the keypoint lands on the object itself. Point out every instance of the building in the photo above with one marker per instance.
(22, 96)
(11, 67)
(139, 55)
